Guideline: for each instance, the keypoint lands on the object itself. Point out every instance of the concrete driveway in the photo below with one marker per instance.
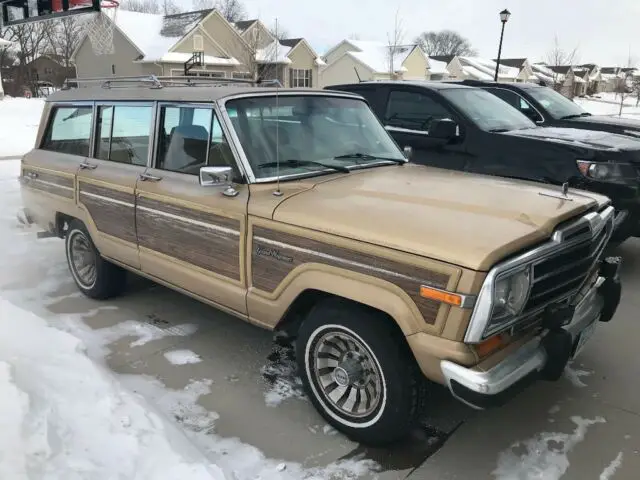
(236, 394)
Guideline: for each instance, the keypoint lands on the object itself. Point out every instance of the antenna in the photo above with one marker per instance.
(277, 191)
(357, 74)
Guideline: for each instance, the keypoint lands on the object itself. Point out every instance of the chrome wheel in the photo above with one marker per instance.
(346, 374)
(82, 259)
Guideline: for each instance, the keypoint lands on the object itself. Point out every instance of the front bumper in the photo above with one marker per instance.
(543, 357)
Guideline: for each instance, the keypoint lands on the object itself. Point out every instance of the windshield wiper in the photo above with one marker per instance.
(499, 130)
(575, 115)
(366, 156)
(294, 162)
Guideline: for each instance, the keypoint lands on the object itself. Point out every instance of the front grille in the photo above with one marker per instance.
(559, 276)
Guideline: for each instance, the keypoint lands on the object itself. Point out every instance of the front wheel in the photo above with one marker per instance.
(358, 372)
(95, 277)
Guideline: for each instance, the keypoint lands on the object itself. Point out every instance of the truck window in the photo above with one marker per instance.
(69, 131)
(413, 110)
(123, 133)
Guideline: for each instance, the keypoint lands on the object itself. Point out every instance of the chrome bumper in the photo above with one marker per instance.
(526, 362)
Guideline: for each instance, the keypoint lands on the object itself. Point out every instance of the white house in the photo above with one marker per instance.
(355, 60)
(476, 68)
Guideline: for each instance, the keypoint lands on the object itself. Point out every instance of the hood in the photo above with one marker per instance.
(596, 120)
(464, 219)
(578, 137)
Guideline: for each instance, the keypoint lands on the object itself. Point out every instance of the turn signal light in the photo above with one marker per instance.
(439, 295)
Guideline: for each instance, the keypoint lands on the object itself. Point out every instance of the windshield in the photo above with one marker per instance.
(309, 131)
(486, 110)
(556, 104)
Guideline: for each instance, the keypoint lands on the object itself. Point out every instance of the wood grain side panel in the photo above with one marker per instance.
(90, 188)
(190, 213)
(272, 263)
(50, 183)
(111, 218)
(215, 250)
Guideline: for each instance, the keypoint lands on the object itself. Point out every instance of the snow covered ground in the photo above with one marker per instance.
(608, 106)
(19, 120)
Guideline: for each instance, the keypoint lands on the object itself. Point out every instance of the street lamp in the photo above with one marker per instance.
(504, 18)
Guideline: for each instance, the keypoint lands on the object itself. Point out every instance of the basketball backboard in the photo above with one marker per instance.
(15, 12)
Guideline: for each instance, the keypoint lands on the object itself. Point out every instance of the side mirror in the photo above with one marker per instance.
(444, 129)
(408, 152)
(218, 177)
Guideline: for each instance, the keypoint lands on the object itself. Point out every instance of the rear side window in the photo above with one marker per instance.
(69, 131)
(123, 133)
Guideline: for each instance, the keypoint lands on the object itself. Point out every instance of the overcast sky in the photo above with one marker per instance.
(603, 30)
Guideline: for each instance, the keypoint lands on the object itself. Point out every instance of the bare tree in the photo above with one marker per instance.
(64, 37)
(30, 42)
(280, 33)
(558, 56)
(394, 41)
(142, 6)
(445, 42)
(232, 10)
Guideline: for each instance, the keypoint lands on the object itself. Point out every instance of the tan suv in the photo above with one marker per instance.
(294, 209)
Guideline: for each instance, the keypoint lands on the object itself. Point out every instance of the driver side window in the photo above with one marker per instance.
(413, 111)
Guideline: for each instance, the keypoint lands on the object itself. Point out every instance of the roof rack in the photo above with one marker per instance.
(153, 81)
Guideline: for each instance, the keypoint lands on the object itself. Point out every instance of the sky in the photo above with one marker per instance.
(603, 30)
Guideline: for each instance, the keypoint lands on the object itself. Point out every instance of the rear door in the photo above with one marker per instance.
(408, 115)
(107, 180)
(191, 236)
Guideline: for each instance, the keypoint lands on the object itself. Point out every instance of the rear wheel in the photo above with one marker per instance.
(358, 372)
(95, 277)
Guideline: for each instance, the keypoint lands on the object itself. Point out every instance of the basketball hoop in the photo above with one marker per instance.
(99, 26)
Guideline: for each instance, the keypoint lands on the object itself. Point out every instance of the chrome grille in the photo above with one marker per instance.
(560, 275)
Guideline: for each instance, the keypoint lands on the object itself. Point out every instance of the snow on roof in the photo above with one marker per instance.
(376, 55)
(320, 62)
(4, 43)
(484, 69)
(275, 52)
(542, 72)
(178, 57)
(148, 39)
(437, 67)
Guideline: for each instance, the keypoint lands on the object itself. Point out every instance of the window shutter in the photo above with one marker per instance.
(291, 78)
(310, 72)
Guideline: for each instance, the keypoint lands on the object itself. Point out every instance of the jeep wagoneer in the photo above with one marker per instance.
(295, 210)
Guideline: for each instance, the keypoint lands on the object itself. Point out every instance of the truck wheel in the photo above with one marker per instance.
(358, 372)
(94, 276)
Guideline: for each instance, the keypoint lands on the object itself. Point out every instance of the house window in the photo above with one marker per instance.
(243, 75)
(299, 78)
(198, 43)
(48, 71)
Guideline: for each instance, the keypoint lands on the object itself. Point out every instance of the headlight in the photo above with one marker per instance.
(510, 294)
(605, 171)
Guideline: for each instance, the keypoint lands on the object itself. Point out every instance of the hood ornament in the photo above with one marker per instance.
(564, 192)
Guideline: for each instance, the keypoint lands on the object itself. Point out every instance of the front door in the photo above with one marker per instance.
(407, 117)
(192, 236)
(107, 180)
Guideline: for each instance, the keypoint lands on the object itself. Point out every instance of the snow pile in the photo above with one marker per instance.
(608, 472)
(62, 416)
(182, 357)
(18, 137)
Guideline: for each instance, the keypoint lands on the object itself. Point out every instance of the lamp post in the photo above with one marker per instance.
(504, 18)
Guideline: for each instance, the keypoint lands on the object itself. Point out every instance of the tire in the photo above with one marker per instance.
(103, 279)
(333, 330)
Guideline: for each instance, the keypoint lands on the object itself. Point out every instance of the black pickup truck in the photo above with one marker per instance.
(549, 108)
(467, 128)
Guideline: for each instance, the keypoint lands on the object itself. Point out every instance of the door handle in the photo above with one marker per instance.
(145, 177)
(90, 166)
